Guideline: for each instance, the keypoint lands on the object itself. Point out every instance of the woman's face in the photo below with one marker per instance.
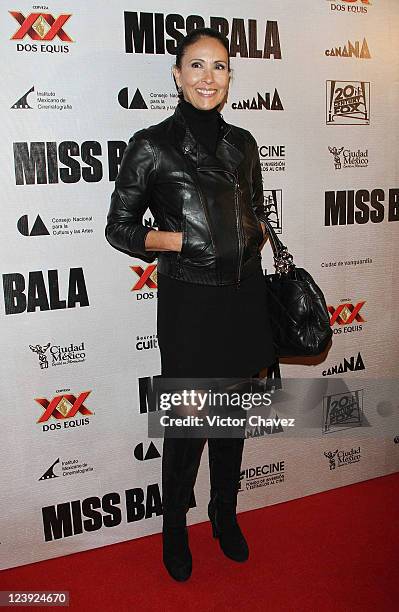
(204, 75)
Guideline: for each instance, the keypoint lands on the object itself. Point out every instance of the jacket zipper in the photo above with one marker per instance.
(238, 218)
(240, 232)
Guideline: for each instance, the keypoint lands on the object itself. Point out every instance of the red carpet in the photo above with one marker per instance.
(335, 551)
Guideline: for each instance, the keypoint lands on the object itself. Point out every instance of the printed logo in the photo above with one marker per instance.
(69, 467)
(345, 158)
(136, 102)
(351, 6)
(45, 100)
(151, 452)
(347, 316)
(361, 206)
(23, 101)
(144, 343)
(347, 103)
(272, 158)
(158, 33)
(60, 355)
(64, 407)
(60, 226)
(147, 278)
(155, 100)
(261, 476)
(350, 50)
(40, 26)
(273, 204)
(352, 364)
(44, 28)
(21, 296)
(340, 458)
(342, 411)
(38, 228)
(260, 102)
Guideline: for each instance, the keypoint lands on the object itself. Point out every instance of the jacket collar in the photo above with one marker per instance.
(228, 156)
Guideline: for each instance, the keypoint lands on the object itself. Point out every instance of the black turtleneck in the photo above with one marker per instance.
(203, 124)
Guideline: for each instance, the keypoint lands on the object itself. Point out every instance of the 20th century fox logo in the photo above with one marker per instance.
(347, 103)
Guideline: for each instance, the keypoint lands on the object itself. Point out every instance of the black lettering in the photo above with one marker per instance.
(159, 33)
(14, 296)
(37, 295)
(77, 292)
(220, 24)
(94, 520)
(52, 162)
(193, 22)
(335, 208)
(350, 207)
(139, 37)
(66, 151)
(116, 149)
(272, 41)
(174, 23)
(94, 172)
(153, 503)
(377, 215)
(393, 205)
(253, 39)
(76, 517)
(57, 522)
(54, 291)
(146, 395)
(114, 516)
(349, 365)
(30, 164)
(135, 510)
(362, 197)
(238, 40)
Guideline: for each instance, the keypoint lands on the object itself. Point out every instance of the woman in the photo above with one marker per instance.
(201, 179)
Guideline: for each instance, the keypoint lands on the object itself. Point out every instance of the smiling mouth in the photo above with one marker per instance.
(206, 92)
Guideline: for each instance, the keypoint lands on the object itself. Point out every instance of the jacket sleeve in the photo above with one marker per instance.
(257, 184)
(130, 199)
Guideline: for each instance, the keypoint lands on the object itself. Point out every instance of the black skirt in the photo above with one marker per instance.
(210, 331)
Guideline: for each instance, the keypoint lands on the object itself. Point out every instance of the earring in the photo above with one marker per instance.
(179, 89)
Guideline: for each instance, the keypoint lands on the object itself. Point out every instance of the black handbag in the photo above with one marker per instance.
(298, 310)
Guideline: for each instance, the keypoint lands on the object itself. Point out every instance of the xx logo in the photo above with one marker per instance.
(63, 406)
(346, 313)
(40, 26)
(147, 277)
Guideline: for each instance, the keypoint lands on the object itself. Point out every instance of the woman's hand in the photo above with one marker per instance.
(157, 240)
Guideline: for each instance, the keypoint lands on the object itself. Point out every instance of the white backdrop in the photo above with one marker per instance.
(78, 318)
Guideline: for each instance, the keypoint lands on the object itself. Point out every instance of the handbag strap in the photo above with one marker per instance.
(283, 260)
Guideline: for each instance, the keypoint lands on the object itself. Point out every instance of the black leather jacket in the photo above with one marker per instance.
(213, 200)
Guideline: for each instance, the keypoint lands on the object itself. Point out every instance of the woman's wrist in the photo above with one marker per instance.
(158, 240)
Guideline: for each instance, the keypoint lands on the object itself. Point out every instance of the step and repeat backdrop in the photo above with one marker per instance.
(316, 82)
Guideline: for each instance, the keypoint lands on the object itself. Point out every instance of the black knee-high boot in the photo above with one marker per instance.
(180, 462)
(225, 456)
